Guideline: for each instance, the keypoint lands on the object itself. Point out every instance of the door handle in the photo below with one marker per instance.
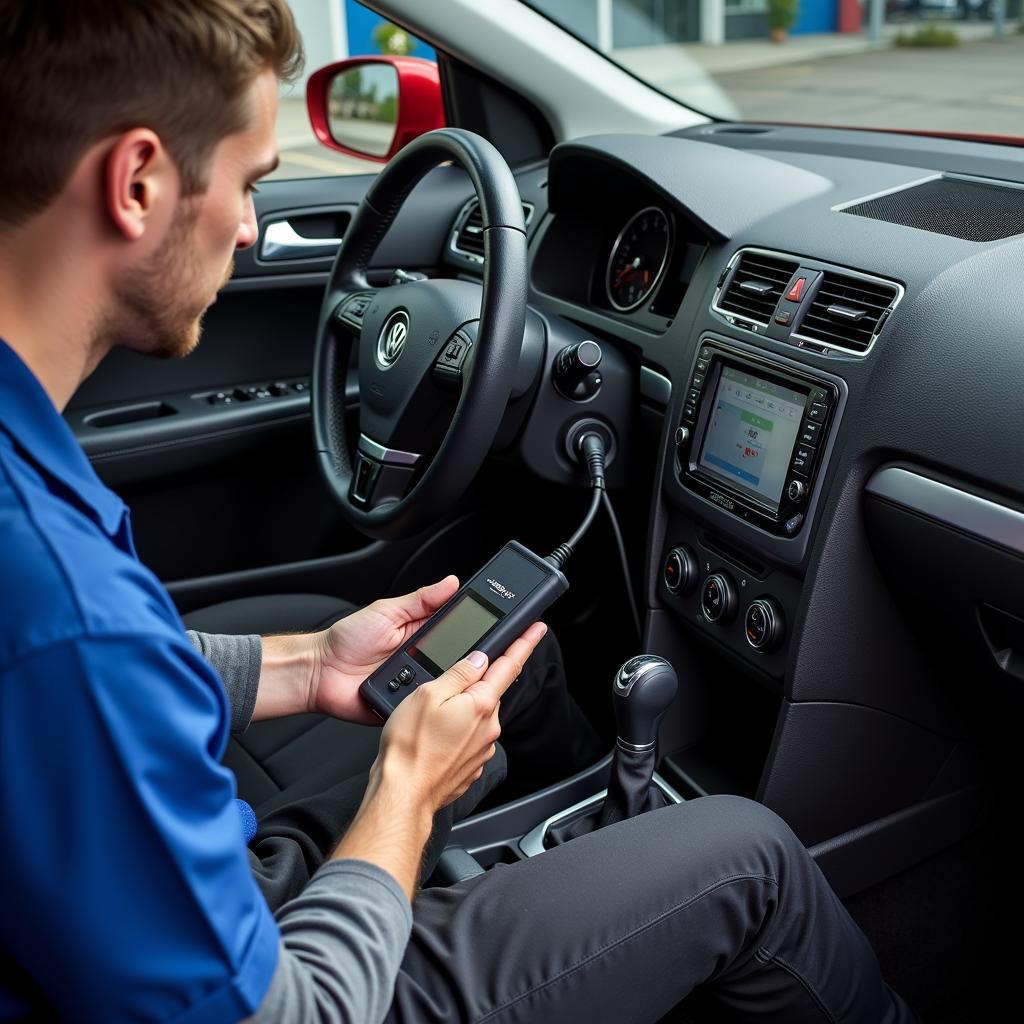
(282, 242)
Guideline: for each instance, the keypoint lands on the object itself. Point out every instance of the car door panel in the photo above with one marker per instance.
(222, 488)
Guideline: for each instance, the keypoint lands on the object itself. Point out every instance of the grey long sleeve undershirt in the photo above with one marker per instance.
(343, 936)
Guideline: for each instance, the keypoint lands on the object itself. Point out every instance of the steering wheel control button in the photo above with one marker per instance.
(763, 625)
(680, 571)
(407, 674)
(718, 598)
(448, 365)
(796, 491)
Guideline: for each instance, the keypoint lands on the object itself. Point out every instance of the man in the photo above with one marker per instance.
(135, 131)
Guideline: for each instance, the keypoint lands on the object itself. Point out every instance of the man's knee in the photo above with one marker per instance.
(741, 829)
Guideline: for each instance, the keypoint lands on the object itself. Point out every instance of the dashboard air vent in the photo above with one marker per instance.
(468, 236)
(847, 312)
(756, 286)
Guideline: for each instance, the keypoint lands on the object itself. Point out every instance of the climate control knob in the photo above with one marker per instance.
(764, 624)
(680, 571)
(718, 598)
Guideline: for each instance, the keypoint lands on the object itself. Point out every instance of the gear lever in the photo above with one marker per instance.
(642, 692)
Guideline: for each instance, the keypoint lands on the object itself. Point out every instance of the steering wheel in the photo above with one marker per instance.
(413, 457)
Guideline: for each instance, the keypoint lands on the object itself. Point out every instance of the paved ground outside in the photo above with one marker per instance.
(977, 87)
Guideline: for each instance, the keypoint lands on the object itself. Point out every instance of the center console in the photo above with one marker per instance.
(750, 447)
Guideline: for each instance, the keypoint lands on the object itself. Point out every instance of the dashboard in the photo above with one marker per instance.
(828, 324)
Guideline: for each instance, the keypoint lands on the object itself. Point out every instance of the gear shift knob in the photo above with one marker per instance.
(642, 692)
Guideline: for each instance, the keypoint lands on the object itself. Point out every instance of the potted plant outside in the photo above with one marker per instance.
(781, 16)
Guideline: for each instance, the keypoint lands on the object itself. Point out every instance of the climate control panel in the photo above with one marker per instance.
(729, 595)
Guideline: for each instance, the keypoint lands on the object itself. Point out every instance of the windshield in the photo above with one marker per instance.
(948, 66)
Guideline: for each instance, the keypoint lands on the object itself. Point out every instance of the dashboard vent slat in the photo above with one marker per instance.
(846, 312)
(756, 286)
(468, 237)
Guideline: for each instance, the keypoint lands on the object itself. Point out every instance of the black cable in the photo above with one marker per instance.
(595, 504)
(625, 562)
(592, 452)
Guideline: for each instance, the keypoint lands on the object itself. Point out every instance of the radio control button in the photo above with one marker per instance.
(705, 352)
(702, 365)
(682, 436)
(809, 432)
(820, 395)
(693, 397)
(680, 571)
(698, 380)
(796, 491)
(817, 412)
(689, 412)
(763, 625)
(718, 598)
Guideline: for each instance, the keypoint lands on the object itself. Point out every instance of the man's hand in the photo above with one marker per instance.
(432, 749)
(356, 645)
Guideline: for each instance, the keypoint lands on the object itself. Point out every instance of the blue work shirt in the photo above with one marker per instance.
(125, 888)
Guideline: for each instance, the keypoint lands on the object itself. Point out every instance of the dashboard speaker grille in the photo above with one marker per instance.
(756, 286)
(975, 211)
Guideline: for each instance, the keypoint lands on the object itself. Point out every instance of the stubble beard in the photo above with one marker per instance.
(159, 305)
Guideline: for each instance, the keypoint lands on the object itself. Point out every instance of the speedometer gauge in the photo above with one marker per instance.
(638, 259)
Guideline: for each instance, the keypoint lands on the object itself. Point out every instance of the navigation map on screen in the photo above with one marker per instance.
(750, 437)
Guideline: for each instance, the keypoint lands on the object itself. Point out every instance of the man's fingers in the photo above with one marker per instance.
(424, 602)
(505, 670)
(463, 674)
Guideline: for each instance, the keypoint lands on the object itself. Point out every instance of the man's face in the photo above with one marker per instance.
(159, 305)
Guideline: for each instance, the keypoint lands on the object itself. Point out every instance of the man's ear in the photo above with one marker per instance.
(139, 177)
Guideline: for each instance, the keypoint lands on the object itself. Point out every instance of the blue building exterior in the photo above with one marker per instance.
(361, 22)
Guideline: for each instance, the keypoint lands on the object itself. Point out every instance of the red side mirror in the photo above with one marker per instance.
(371, 107)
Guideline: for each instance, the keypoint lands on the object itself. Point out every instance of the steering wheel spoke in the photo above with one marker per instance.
(381, 475)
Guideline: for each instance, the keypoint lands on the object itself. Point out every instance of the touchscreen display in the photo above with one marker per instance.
(456, 634)
(751, 433)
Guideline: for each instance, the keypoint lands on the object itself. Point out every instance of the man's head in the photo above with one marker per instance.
(145, 124)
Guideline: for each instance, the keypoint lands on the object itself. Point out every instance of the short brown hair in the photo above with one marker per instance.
(75, 71)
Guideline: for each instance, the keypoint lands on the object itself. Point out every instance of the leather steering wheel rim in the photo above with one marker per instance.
(487, 381)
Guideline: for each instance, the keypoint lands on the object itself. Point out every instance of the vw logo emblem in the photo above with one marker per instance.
(392, 339)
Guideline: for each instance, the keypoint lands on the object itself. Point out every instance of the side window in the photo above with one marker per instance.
(331, 31)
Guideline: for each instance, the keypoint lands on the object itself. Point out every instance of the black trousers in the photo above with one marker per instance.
(622, 924)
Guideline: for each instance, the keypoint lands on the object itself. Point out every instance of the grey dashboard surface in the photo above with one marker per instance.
(941, 387)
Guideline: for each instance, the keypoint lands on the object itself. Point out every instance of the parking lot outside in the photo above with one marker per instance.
(816, 78)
